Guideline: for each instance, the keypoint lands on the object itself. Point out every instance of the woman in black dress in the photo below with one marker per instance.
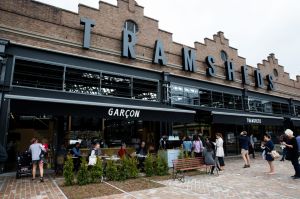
(268, 146)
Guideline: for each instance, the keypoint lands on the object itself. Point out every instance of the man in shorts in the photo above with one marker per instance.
(244, 143)
(36, 150)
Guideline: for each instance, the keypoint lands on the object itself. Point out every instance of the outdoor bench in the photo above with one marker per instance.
(186, 164)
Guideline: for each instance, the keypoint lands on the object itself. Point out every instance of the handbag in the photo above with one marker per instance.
(274, 154)
(92, 158)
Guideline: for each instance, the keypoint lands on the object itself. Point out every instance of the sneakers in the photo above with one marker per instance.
(41, 179)
(246, 166)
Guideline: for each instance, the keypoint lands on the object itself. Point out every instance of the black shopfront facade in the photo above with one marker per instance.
(62, 97)
(229, 111)
(54, 95)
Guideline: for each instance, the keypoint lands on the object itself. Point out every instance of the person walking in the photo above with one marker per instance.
(252, 146)
(298, 142)
(197, 146)
(268, 146)
(208, 153)
(220, 150)
(244, 143)
(36, 150)
(187, 146)
(283, 138)
(292, 152)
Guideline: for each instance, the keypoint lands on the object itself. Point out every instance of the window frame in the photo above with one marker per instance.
(135, 26)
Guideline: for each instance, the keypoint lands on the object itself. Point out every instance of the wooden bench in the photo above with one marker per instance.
(186, 164)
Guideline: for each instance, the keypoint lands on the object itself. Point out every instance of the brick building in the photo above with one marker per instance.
(112, 73)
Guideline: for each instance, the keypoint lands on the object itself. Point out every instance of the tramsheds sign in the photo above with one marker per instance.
(188, 58)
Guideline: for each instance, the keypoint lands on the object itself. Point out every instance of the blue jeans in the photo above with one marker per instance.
(295, 163)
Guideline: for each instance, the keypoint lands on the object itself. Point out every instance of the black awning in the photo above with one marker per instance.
(48, 106)
(295, 121)
(245, 118)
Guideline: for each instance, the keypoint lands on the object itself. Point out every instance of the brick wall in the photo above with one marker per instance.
(36, 24)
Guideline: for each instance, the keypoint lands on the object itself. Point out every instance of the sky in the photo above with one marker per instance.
(255, 27)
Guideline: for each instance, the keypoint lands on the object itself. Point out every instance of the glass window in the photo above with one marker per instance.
(297, 111)
(217, 100)
(275, 72)
(259, 105)
(229, 101)
(191, 96)
(176, 94)
(276, 108)
(255, 105)
(267, 106)
(205, 98)
(115, 85)
(145, 89)
(224, 55)
(131, 26)
(285, 108)
(38, 75)
(80, 81)
(238, 102)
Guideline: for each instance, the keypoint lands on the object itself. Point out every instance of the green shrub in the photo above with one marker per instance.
(133, 171)
(192, 154)
(181, 154)
(68, 171)
(83, 176)
(149, 165)
(186, 154)
(161, 168)
(123, 169)
(112, 171)
(96, 171)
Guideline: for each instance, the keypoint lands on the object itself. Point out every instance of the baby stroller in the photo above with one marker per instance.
(24, 164)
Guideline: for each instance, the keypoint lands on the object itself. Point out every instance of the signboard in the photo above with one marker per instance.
(124, 113)
(253, 121)
(129, 40)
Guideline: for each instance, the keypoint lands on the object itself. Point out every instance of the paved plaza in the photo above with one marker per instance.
(234, 182)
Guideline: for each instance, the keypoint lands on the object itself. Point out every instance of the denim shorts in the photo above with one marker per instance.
(37, 161)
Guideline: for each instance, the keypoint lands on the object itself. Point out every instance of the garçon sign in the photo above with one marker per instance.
(188, 57)
(125, 113)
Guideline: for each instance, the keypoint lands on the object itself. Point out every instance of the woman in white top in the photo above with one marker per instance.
(36, 150)
(220, 150)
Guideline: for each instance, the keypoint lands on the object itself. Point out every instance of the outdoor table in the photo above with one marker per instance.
(141, 156)
(112, 158)
(103, 156)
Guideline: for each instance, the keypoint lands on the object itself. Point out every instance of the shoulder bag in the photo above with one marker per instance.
(274, 154)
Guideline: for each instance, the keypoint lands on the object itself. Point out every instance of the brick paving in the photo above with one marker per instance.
(235, 182)
(25, 188)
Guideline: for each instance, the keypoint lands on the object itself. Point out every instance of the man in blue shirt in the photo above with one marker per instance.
(76, 150)
(298, 142)
(244, 143)
(76, 156)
